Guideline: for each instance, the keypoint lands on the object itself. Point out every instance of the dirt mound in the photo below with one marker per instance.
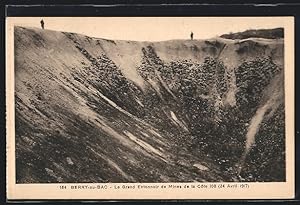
(258, 33)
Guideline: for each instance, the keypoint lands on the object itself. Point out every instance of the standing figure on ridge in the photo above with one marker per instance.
(42, 24)
(192, 35)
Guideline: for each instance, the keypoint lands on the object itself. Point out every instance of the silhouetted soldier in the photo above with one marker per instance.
(42, 24)
(192, 35)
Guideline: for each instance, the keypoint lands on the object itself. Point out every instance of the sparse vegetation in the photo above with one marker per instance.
(260, 33)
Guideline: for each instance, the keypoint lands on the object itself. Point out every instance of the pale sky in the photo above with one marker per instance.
(152, 28)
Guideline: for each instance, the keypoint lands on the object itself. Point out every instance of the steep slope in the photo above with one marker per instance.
(97, 110)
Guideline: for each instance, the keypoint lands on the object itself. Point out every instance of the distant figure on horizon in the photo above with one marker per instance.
(192, 35)
(42, 24)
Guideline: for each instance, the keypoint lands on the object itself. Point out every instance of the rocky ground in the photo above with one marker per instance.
(97, 110)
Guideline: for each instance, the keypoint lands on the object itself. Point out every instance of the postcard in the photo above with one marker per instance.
(150, 108)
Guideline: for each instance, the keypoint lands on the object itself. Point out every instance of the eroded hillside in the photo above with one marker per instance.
(97, 110)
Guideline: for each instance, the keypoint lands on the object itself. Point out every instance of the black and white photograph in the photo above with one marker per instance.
(149, 100)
